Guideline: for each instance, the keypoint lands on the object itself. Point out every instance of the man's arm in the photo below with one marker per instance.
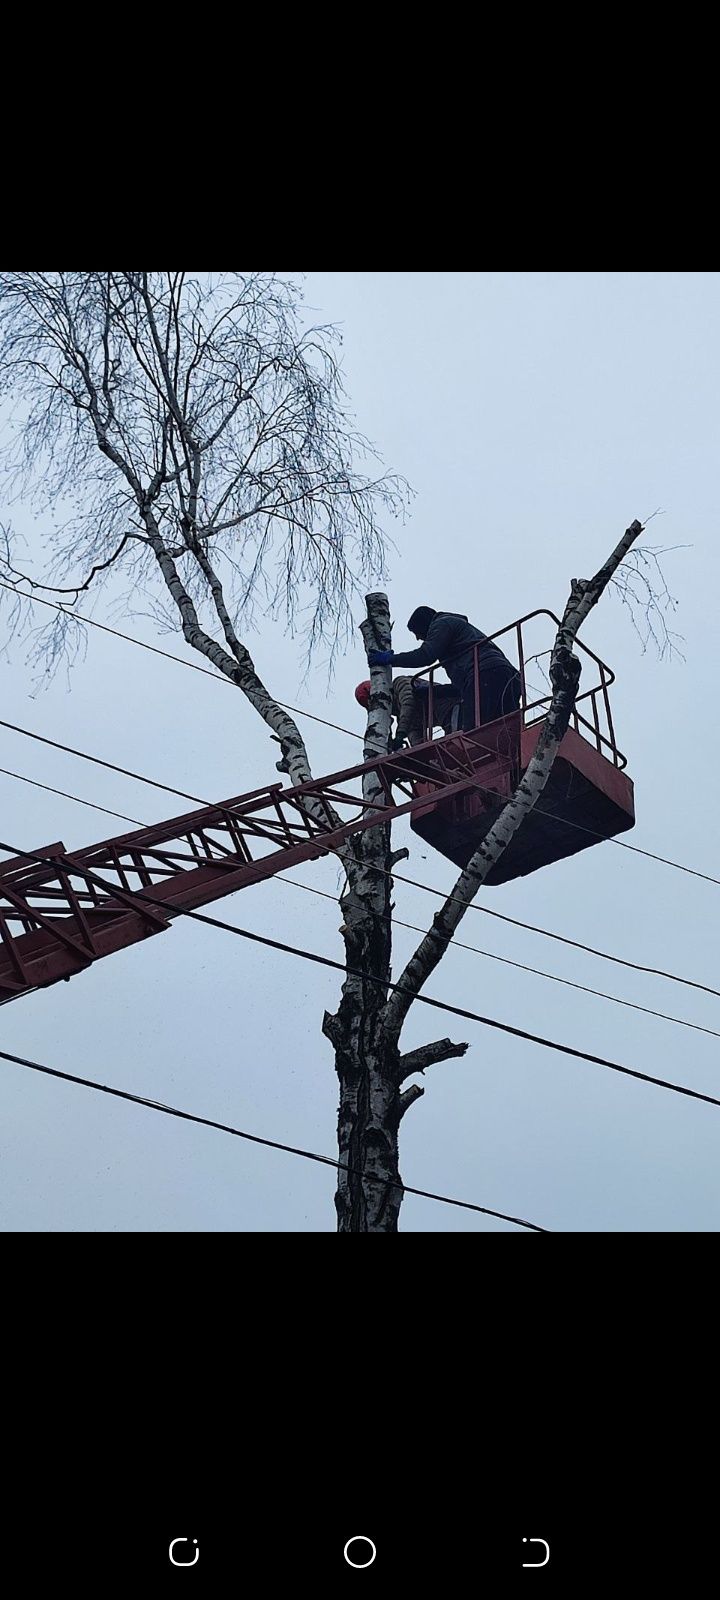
(435, 646)
(422, 657)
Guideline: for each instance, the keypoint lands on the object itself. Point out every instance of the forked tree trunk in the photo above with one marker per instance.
(366, 1028)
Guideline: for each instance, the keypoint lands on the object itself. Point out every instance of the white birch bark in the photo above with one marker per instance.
(366, 1201)
(238, 666)
(369, 1069)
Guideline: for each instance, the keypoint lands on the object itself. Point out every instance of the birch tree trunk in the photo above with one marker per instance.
(368, 1192)
(367, 1061)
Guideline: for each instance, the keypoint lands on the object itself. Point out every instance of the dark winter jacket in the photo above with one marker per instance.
(449, 640)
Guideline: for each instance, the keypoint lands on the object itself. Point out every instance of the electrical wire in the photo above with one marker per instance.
(623, 845)
(367, 977)
(553, 977)
(218, 677)
(83, 755)
(91, 804)
(254, 1138)
(678, 866)
(577, 944)
(415, 927)
(561, 938)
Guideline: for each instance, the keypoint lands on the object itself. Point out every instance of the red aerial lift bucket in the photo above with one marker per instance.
(588, 796)
(586, 799)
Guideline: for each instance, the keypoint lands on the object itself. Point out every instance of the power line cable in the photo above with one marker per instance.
(111, 766)
(561, 938)
(521, 966)
(254, 1138)
(91, 804)
(207, 672)
(457, 1011)
(415, 927)
(357, 972)
(218, 677)
(401, 877)
(623, 845)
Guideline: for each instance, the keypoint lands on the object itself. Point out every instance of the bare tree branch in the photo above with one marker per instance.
(210, 401)
(74, 589)
(643, 590)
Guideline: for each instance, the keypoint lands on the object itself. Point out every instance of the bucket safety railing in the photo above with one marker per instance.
(591, 717)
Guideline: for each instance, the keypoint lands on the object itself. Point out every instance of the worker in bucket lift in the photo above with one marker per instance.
(410, 706)
(448, 638)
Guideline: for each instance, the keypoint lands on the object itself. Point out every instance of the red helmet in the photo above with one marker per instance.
(362, 693)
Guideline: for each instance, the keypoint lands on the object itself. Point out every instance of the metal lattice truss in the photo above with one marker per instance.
(60, 912)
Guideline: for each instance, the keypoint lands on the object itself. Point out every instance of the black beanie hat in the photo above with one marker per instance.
(420, 620)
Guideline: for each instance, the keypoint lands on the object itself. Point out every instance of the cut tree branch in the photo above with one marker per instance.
(408, 1098)
(427, 1055)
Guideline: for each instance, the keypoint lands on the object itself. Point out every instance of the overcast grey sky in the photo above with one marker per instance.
(535, 414)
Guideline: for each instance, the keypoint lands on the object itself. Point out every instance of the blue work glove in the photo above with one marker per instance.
(380, 658)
